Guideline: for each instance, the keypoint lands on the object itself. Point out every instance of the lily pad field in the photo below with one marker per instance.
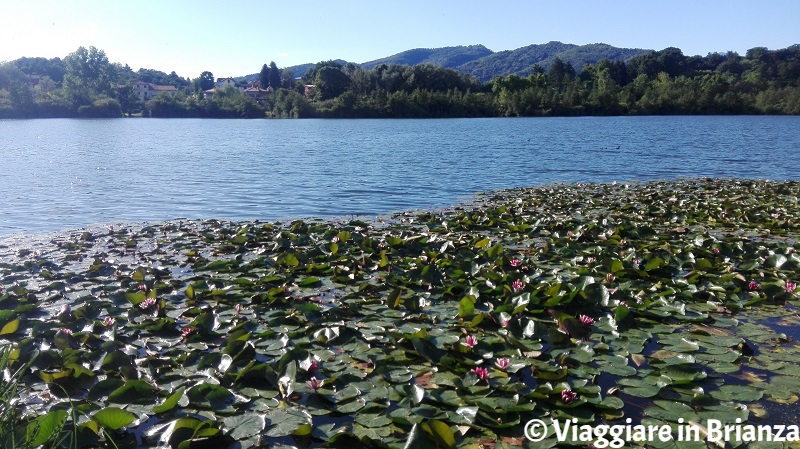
(656, 303)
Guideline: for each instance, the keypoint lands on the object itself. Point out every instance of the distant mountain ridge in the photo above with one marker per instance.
(521, 60)
(450, 57)
(484, 64)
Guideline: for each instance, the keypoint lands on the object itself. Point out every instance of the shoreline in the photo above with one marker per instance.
(476, 199)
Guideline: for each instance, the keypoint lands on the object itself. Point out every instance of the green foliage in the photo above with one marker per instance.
(273, 77)
(161, 78)
(103, 107)
(88, 75)
(552, 79)
(263, 76)
(206, 81)
(228, 102)
(331, 82)
(128, 99)
(17, 431)
(18, 98)
(53, 68)
(287, 103)
(287, 77)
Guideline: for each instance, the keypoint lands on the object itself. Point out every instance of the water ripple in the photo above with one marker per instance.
(62, 173)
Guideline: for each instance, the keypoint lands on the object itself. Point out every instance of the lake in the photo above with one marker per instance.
(65, 173)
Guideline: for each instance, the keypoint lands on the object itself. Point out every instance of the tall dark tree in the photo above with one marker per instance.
(274, 76)
(206, 80)
(263, 76)
(560, 73)
(128, 99)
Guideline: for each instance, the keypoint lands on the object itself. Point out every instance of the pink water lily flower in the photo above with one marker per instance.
(502, 363)
(568, 396)
(67, 331)
(790, 287)
(753, 286)
(315, 384)
(109, 321)
(518, 285)
(470, 341)
(147, 303)
(482, 373)
(515, 262)
(186, 331)
(586, 320)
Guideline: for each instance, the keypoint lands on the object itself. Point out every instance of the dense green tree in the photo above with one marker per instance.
(124, 74)
(331, 82)
(287, 77)
(287, 103)
(732, 64)
(560, 73)
(311, 75)
(88, 75)
(18, 96)
(274, 76)
(263, 76)
(101, 107)
(206, 80)
(53, 68)
(162, 78)
(129, 100)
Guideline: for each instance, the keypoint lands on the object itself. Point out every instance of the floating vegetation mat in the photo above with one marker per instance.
(660, 302)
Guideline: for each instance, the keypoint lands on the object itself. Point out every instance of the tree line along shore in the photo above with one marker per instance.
(86, 84)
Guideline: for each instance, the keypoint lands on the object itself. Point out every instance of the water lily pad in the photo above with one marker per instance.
(114, 418)
(210, 396)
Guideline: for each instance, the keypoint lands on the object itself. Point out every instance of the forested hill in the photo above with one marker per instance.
(484, 64)
(448, 57)
(520, 61)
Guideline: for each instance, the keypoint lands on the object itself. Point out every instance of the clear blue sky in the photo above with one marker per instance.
(233, 37)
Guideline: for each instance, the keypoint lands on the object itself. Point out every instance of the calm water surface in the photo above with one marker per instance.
(58, 174)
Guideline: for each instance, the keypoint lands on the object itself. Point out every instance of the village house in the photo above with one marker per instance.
(34, 79)
(147, 91)
(222, 82)
(258, 94)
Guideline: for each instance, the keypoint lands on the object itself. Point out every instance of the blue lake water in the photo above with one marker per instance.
(62, 173)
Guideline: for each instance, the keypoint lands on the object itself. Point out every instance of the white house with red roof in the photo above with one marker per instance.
(147, 91)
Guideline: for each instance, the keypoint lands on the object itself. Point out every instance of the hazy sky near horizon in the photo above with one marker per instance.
(235, 38)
